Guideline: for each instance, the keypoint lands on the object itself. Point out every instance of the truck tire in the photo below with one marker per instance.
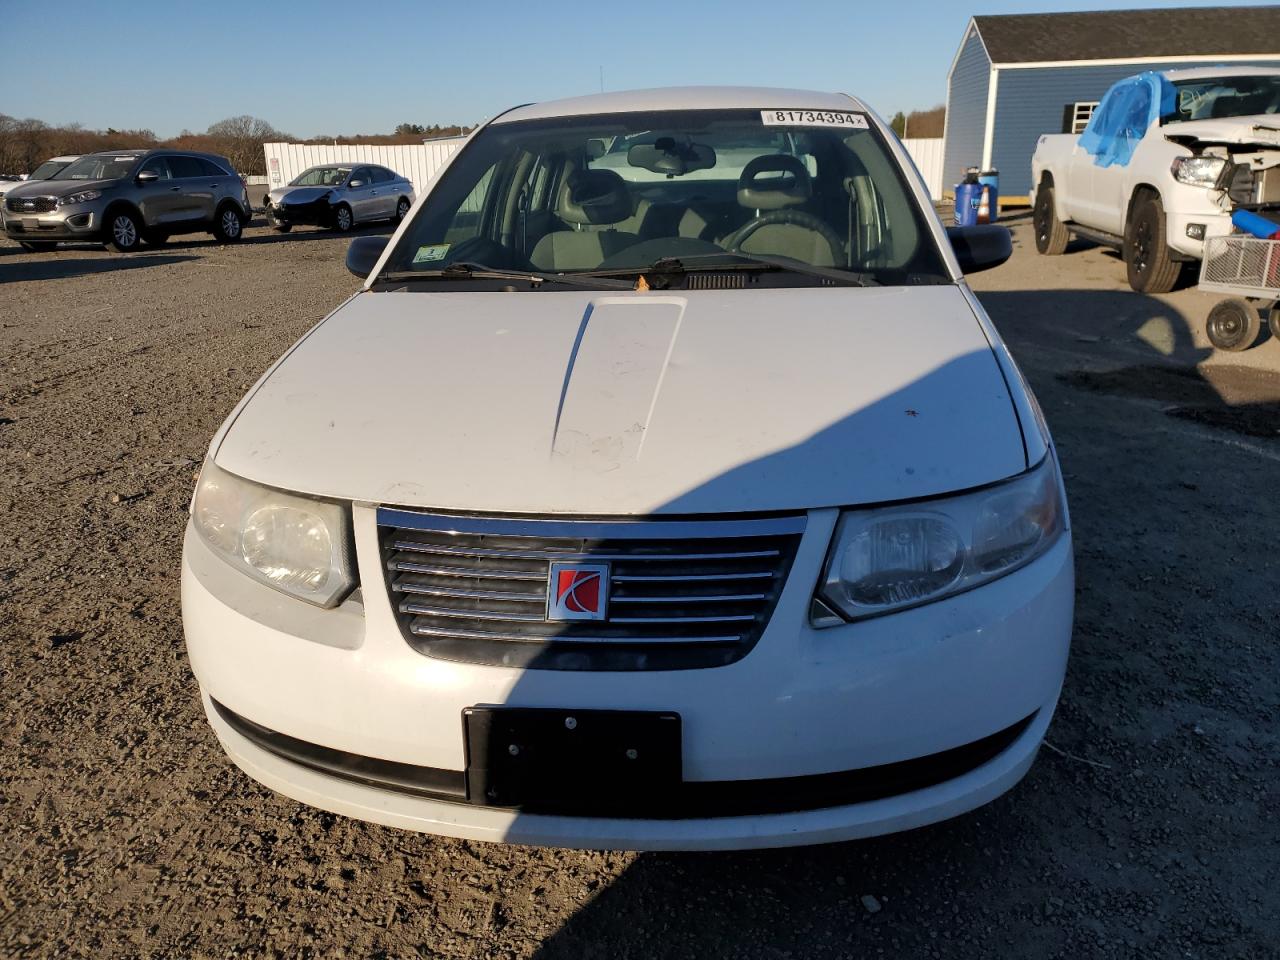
(1233, 324)
(1051, 233)
(1146, 254)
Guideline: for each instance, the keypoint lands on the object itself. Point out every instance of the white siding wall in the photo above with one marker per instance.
(417, 161)
(927, 152)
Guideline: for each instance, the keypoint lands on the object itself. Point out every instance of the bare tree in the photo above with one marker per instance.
(240, 139)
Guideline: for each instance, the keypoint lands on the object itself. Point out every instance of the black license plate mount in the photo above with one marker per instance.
(565, 761)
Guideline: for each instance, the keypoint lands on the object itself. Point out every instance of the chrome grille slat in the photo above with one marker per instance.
(694, 593)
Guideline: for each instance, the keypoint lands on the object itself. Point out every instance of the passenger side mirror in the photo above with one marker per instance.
(148, 176)
(982, 247)
(363, 254)
(355, 183)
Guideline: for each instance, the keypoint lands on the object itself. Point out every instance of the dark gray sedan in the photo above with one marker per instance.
(340, 196)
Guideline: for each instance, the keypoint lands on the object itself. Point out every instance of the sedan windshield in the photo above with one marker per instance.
(48, 170)
(708, 188)
(1215, 97)
(104, 167)
(322, 177)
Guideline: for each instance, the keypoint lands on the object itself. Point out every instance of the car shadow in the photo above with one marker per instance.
(64, 268)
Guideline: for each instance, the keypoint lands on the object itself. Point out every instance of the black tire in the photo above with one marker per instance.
(124, 231)
(1150, 267)
(1051, 233)
(1233, 324)
(402, 208)
(228, 227)
(155, 238)
(1273, 320)
(39, 246)
(282, 227)
(343, 221)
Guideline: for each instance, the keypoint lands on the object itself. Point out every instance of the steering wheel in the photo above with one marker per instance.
(795, 218)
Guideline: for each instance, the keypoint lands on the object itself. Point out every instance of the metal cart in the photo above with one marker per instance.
(1248, 271)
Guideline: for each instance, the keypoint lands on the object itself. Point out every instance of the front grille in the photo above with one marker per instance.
(682, 594)
(31, 204)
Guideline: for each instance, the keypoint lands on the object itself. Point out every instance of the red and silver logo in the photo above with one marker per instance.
(577, 591)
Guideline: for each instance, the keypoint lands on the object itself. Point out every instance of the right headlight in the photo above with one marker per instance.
(886, 559)
(297, 544)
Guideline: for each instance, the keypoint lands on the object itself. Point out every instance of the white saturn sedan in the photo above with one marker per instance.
(664, 487)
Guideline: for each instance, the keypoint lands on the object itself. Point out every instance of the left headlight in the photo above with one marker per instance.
(84, 196)
(887, 559)
(299, 545)
(1198, 171)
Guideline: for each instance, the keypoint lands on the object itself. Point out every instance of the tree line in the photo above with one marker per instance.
(26, 143)
(920, 123)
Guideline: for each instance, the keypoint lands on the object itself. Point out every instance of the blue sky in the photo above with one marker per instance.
(346, 67)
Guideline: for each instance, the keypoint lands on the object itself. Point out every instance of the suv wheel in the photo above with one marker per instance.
(124, 232)
(1146, 255)
(227, 227)
(342, 221)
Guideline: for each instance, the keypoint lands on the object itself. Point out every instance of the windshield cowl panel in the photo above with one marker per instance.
(812, 197)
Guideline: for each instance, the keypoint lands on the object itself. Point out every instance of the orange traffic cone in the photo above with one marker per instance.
(984, 206)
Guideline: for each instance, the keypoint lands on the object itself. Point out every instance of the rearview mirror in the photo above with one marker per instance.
(363, 254)
(674, 159)
(355, 183)
(982, 247)
(148, 176)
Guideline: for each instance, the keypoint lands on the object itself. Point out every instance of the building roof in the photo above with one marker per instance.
(683, 98)
(1130, 34)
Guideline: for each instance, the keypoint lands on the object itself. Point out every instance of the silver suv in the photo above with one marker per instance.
(128, 197)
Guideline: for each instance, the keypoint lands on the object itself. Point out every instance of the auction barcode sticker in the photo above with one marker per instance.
(813, 118)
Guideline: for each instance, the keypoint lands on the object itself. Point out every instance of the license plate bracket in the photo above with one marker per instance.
(565, 761)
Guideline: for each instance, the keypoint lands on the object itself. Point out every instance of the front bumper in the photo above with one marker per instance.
(74, 223)
(804, 702)
(318, 213)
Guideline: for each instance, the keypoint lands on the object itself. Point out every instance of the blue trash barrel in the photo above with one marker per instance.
(968, 196)
(991, 180)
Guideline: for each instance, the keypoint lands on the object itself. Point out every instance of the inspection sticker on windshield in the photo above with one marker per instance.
(431, 252)
(813, 118)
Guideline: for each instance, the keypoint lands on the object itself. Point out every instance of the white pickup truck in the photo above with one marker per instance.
(1165, 160)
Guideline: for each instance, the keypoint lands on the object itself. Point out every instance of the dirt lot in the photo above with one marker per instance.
(1149, 829)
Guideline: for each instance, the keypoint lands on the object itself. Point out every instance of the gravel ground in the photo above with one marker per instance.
(1147, 829)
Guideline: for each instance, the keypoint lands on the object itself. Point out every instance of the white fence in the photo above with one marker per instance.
(417, 161)
(927, 154)
(420, 161)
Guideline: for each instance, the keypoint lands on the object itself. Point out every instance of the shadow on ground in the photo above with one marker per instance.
(62, 269)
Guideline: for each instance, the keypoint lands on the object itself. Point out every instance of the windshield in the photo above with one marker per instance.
(322, 177)
(623, 191)
(105, 167)
(1215, 97)
(48, 170)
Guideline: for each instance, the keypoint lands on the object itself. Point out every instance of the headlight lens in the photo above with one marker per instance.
(1198, 171)
(84, 196)
(296, 544)
(887, 559)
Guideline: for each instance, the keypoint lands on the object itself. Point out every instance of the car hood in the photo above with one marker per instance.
(1263, 129)
(58, 188)
(646, 403)
(298, 194)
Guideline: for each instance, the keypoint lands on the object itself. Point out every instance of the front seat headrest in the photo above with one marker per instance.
(594, 196)
(790, 189)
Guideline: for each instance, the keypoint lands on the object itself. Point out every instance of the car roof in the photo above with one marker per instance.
(683, 98)
(1232, 70)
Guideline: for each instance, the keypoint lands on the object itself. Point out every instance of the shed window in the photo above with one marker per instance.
(1075, 116)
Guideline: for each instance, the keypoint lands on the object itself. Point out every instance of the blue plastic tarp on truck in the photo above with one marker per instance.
(1123, 116)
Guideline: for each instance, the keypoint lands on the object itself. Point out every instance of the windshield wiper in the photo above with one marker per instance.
(465, 270)
(667, 266)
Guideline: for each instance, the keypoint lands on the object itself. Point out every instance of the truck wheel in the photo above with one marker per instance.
(1146, 255)
(1233, 324)
(1051, 233)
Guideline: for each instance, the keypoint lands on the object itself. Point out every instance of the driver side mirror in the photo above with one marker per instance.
(981, 247)
(148, 176)
(363, 254)
(355, 183)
